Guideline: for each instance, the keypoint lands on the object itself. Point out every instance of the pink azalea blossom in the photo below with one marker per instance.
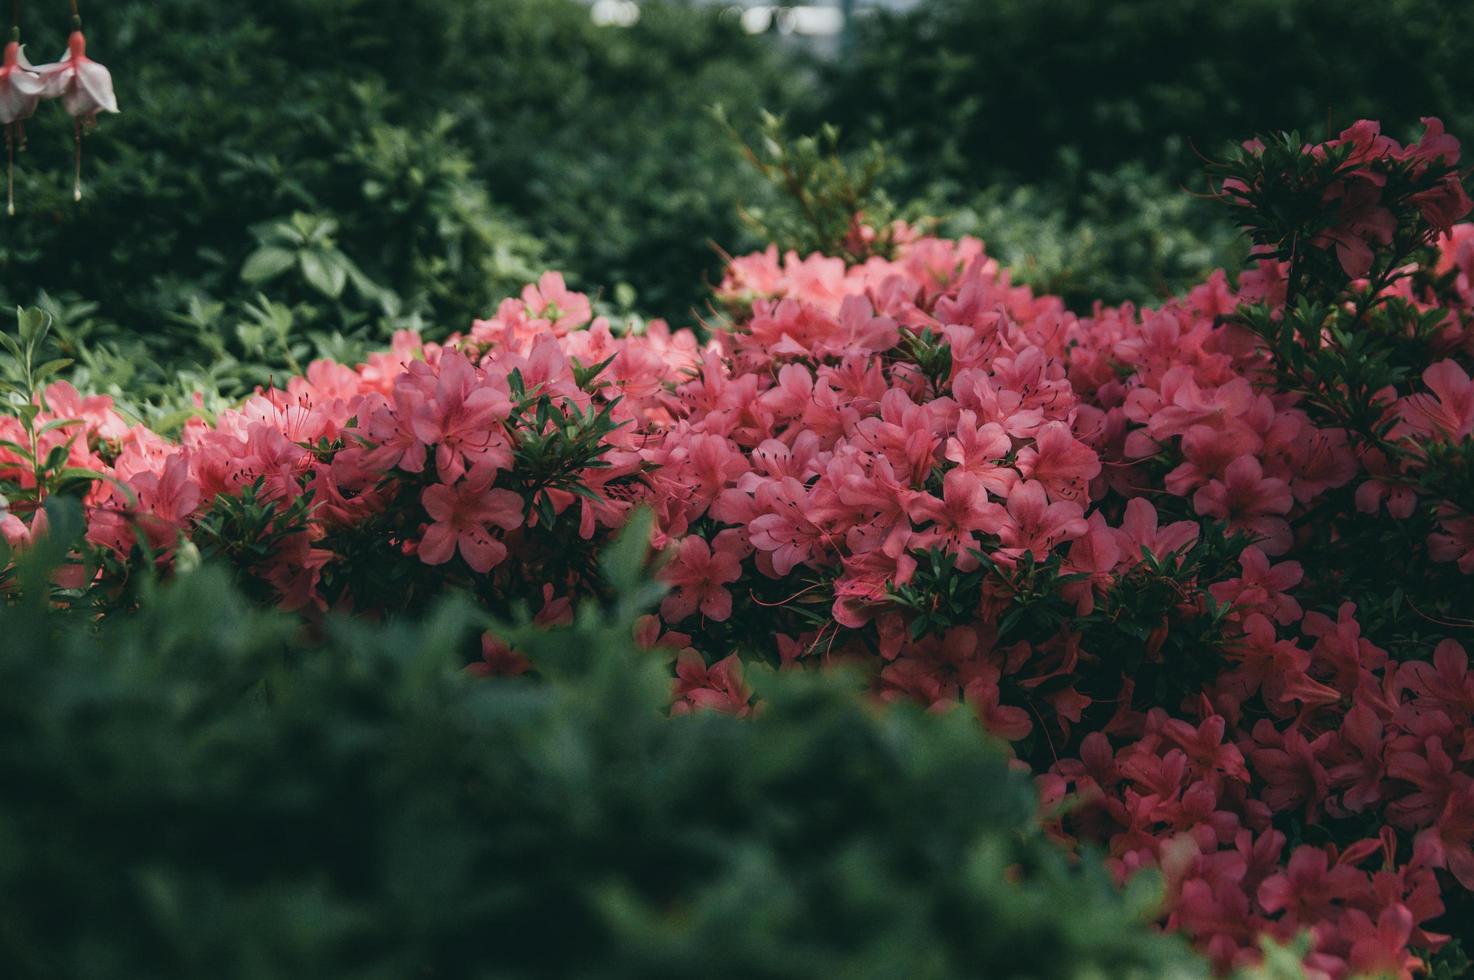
(463, 516)
(718, 687)
(1032, 524)
(1061, 464)
(1446, 411)
(699, 576)
(1454, 539)
(1249, 501)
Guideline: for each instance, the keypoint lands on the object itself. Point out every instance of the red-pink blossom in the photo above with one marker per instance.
(463, 515)
(698, 576)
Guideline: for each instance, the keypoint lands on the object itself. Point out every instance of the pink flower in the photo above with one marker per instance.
(85, 89)
(1062, 464)
(553, 301)
(1381, 950)
(166, 501)
(716, 688)
(1249, 501)
(789, 532)
(979, 451)
(1206, 749)
(1454, 539)
(981, 692)
(20, 86)
(1384, 484)
(1433, 777)
(499, 660)
(17, 536)
(1443, 685)
(84, 86)
(463, 516)
(1435, 145)
(1362, 739)
(955, 520)
(1455, 834)
(1262, 588)
(1290, 767)
(1362, 220)
(698, 577)
(1032, 524)
(1448, 412)
(1094, 555)
(1308, 887)
(463, 419)
(1140, 534)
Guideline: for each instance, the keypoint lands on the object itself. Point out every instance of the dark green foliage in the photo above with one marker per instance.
(1085, 236)
(1065, 132)
(825, 201)
(367, 165)
(981, 87)
(201, 789)
(1129, 233)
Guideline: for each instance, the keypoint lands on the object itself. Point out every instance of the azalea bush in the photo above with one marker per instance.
(1204, 566)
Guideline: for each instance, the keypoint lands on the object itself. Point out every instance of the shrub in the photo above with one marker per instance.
(1061, 132)
(1010, 83)
(1085, 236)
(1097, 236)
(1205, 566)
(449, 161)
(201, 790)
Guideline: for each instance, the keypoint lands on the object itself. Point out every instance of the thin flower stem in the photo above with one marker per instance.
(77, 179)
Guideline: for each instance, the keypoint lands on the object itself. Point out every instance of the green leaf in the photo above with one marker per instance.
(57, 424)
(624, 561)
(324, 273)
(16, 448)
(51, 367)
(267, 263)
(34, 324)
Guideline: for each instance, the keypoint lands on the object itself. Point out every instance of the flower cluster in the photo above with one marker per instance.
(1362, 188)
(1101, 534)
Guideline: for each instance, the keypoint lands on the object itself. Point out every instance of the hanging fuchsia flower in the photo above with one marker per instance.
(85, 88)
(20, 90)
(20, 86)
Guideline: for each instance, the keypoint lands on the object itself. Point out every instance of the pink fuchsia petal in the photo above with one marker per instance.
(93, 92)
(20, 86)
